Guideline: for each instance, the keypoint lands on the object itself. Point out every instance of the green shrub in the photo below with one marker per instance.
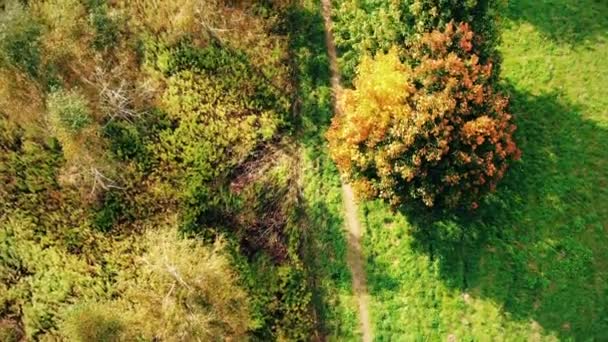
(220, 111)
(20, 39)
(281, 299)
(206, 204)
(41, 279)
(28, 168)
(216, 128)
(295, 320)
(230, 68)
(112, 209)
(71, 122)
(438, 132)
(126, 142)
(366, 27)
(107, 30)
(68, 111)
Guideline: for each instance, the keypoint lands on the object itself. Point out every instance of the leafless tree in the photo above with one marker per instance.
(101, 181)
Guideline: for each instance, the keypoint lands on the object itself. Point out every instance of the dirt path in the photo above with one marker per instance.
(354, 254)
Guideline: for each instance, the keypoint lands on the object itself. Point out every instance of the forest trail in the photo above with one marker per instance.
(354, 254)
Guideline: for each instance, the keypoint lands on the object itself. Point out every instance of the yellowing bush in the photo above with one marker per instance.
(436, 132)
(188, 291)
(184, 290)
(173, 20)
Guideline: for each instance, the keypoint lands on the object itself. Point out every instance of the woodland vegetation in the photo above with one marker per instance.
(171, 170)
(149, 184)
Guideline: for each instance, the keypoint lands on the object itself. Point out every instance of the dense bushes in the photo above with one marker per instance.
(424, 121)
(182, 290)
(281, 299)
(211, 137)
(27, 167)
(20, 40)
(68, 112)
(220, 111)
(176, 288)
(117, 116)
(180, 278)
(38, 280)
(437, 132)
(106, 27)
(367, 27)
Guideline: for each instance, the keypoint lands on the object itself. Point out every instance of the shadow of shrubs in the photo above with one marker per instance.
(563, 21)
(538, 246)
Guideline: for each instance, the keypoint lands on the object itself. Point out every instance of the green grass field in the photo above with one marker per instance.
(333, 298)
(532, 264)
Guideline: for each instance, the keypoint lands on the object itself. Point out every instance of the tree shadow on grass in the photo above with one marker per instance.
(564, 21)
(539, 245)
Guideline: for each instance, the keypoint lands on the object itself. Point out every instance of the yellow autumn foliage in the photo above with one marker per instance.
(436, 132)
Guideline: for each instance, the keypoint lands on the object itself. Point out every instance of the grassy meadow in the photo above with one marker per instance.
(532, 263)
(326, 255)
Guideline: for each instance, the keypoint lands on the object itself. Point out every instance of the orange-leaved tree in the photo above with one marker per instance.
(433, 130)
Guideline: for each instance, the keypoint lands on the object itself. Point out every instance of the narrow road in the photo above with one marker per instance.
(354, 254)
